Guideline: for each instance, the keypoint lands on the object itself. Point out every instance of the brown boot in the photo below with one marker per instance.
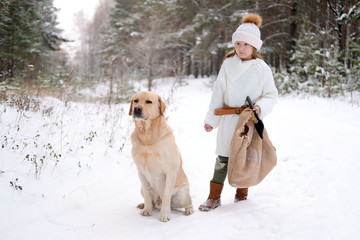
(213, 200)
(241, 194)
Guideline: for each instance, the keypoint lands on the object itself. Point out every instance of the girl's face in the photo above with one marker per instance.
(243, 50)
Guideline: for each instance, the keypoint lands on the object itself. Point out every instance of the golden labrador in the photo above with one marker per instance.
(158, 159)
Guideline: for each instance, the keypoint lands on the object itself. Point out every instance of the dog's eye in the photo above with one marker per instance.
(149, 102)
(136, 101)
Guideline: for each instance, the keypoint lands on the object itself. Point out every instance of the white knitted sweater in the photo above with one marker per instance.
(236, 80)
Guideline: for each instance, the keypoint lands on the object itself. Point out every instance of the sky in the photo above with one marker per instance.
(67, 9)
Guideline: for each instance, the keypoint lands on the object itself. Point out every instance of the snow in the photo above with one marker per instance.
(92, 190)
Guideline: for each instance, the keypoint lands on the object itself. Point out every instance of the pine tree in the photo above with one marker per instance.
(317, 69)
(116, 47)
(141, 37)
(29, 36)
(304, 61)
(329, 72)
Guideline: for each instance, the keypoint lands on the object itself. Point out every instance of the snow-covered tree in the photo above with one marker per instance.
(304, 61)
(316, 65)
(330, 72)
(29, 35)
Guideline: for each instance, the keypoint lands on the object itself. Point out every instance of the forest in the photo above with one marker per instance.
(313, 46)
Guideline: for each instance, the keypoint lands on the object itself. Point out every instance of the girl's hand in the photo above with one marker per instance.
(208, 128)
(257, 109)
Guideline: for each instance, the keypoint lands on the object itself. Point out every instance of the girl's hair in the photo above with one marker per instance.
(233, 53)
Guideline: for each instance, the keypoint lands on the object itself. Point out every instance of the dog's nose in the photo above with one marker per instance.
(137, 111)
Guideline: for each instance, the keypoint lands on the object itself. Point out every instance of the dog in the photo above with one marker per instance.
(163, 181)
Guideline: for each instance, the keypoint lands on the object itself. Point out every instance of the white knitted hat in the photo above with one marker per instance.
(249, 31)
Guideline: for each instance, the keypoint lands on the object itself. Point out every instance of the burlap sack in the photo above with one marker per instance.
(251, 158)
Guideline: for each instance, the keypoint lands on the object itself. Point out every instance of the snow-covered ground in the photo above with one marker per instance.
(78, 180)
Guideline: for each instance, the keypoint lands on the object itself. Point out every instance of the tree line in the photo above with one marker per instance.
(312, 45)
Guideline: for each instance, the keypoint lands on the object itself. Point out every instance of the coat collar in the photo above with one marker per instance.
(235, 67)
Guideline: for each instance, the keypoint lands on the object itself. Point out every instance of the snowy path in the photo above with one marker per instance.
(312, 193)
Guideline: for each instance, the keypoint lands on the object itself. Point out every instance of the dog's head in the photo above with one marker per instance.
(146, 106)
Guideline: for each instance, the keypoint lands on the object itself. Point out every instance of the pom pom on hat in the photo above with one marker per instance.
(253, 18)
(249, 31)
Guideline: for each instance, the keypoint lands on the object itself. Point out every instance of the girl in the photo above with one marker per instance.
(243, 73)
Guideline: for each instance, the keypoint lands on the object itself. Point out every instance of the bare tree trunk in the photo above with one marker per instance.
(345, 36)
(111, 83)
(150, 71)
(152, 46)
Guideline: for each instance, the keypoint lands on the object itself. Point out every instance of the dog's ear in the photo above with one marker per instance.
(161, 106)
(131, 106)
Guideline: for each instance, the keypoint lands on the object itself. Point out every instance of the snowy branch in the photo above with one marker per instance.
(274, 22)
(224, 7)
(276, 5)
(276, 35)
(197, 4)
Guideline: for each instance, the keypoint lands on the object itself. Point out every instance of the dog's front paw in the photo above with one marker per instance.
(189, 211)
(165, 215)
(141, 205)
(146, 212)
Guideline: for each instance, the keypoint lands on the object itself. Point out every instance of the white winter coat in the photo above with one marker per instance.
(236, 80)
